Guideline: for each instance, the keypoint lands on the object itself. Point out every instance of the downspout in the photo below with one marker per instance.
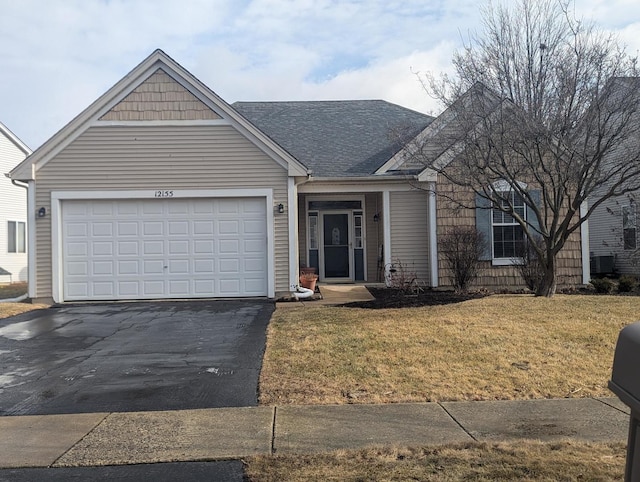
(584, 243)
(31, 235)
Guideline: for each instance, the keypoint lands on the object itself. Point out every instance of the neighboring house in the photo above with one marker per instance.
(160, 189)
(614, 237)
(13, 211)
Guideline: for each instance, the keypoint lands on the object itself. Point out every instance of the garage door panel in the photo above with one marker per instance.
(128, 248)
(128, 267)
(104, 289)
(153, 288)
(204, 246)
(78, 268)
(128, 289)
(152, 207)
(176, 248)
(77, 249)
(152, 247)
(102, 268)
(203, 266)
(153, 228)
(231, 265)
(228, 246)
(177, 228)
(203, 228)
(128, 228)
(153, 267)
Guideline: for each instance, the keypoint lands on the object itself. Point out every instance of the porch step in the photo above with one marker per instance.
(338, 294)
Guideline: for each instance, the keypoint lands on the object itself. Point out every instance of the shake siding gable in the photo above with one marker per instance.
(160, 98)
(159, 157)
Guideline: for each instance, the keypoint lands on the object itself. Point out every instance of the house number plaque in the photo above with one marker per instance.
(163, 194)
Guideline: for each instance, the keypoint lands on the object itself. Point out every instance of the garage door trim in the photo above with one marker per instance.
(56, 222)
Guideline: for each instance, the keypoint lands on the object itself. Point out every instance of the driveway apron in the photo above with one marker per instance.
(133, 357)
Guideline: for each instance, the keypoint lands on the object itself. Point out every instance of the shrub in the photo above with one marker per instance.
(602, 285)
(530, 264)
(626, 284)
(462, 247)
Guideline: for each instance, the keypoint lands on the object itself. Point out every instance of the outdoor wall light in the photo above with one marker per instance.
(376, 217)
(281, 208)
(42, 212)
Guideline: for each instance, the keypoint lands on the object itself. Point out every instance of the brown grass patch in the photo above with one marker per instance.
(12, 290)
(12, 309)
(496, 348)
(522, 461)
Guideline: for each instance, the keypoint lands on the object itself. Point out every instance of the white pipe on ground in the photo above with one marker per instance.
(302, 293)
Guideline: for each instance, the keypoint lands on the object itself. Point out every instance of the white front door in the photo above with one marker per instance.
(120, 249)
(336, 247)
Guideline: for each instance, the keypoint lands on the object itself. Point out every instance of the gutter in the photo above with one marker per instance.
(31, 234)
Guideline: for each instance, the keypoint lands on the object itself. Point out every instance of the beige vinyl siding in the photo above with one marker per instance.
(13, 207)
(160, 158)
(410, 232)
(160, 98)
(375, 235)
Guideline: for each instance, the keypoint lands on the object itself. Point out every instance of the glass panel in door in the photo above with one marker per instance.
(336, 245)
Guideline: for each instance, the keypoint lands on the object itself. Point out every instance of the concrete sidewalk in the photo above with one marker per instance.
(232, 433)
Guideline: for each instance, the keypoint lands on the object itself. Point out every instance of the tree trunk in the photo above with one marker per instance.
(548, 285)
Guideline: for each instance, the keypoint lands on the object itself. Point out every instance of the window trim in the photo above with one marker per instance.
(16, 238)
(505, 260)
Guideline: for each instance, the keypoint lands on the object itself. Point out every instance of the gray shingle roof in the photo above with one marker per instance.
(335, 138)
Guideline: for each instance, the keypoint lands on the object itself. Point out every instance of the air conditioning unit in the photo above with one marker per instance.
(602, 264)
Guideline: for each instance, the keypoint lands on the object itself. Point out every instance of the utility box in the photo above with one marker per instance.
(625, 383)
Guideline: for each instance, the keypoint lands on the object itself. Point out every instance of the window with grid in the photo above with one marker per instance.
(508, 235)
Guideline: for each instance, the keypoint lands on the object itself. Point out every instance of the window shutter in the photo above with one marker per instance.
(483, 225)
(532, 219)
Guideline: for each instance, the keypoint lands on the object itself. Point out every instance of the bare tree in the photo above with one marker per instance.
(539, 112)
(461, 248)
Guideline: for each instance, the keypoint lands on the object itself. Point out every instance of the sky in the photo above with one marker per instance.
(58, 56)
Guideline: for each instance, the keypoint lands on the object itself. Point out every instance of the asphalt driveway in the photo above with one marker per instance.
(132, 357)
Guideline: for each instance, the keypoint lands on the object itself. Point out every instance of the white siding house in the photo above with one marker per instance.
(13, 210)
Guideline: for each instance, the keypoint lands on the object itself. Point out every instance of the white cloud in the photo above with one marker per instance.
(58, 56)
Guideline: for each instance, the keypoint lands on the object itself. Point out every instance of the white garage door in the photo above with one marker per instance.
(164, 248)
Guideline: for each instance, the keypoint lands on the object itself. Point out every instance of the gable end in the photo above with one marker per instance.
(160, 98)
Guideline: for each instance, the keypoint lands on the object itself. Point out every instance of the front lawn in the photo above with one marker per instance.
(495, 348)
(522, 460)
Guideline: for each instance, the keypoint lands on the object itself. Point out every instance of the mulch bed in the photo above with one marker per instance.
(394, 298)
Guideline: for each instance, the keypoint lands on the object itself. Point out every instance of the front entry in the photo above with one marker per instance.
(336, 242)
(336, 261)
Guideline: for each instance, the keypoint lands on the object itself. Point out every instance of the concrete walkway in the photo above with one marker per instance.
(231, 433)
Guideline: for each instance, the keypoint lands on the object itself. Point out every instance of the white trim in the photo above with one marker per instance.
(433, 235)
(14, 139)
(506, 261)
(337, 197)
(365, 185)
(155, 123)
(150, 194)
(57, 278)
(584, 242)
(386, 226)
(31, 239)
(292, 212)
